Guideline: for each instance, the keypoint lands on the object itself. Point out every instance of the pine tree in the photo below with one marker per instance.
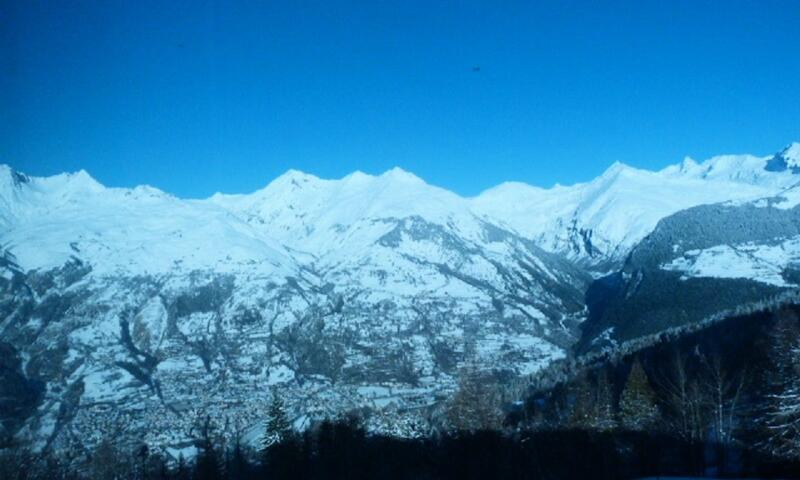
(638, 409)
(592, 403)
(141, 455)
(783, 411)
(181, 470)
(237, 462)
(278, 428)
(105, 461)
(604, 403)
(158, 468)
(208, 465)
(582, 403)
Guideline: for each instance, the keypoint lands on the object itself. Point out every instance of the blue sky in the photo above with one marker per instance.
(195, 97)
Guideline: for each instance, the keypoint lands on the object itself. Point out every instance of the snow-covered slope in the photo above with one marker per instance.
(361, 292)
(765, 248)
(597, 223)
(312, 214)
(134, 309)
(594, 223)
(700, 263)
(393, 235)
(47, 221)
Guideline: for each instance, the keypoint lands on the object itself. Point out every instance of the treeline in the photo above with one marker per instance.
(588, 357)
(343, 450)
(734, 386)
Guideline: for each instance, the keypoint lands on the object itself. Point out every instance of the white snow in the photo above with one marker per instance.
(762, 263)
(280, 374)
(140, 230)
(792, 154)
(785, 200)
(405, 257)
(624, 204)
(143, 230)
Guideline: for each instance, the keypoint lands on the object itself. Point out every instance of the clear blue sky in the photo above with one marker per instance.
(199, 96)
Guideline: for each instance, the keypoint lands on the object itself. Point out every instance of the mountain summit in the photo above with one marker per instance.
(786, 159)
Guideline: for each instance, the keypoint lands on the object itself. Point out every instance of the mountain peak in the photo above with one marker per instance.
(393, 175)
(80, 181)
(293, 174)
(12, 177)
(357, 177)
(397, 173)
(84, 176)
(294, 179)
(792, 153)
(688, 163)
(786, 159)
(615, 169)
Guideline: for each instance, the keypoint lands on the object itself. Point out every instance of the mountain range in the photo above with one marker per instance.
(132, 310)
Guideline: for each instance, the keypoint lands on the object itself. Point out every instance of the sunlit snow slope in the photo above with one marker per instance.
(597, 223)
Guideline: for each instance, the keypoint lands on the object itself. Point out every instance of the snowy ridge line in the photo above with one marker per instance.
(297, 214)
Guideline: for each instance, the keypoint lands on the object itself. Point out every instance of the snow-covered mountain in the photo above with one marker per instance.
(361, 292)
(597, 223)
(698, 264)
(47, 221)
(137, 310)
(299, 214)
